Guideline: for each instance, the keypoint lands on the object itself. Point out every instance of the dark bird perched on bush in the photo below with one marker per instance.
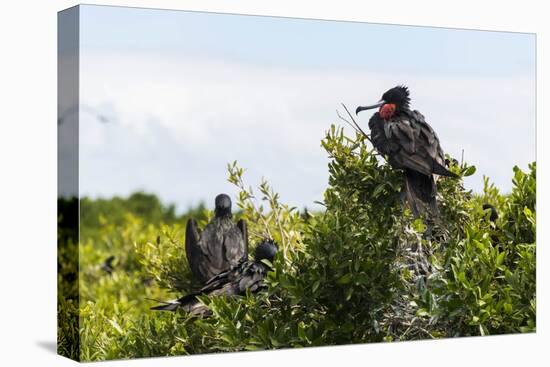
(410, 144)
(247, 275)
(220, 246)
(108, 266)
(494, 214)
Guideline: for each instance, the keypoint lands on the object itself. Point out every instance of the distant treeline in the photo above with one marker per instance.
(146, 206)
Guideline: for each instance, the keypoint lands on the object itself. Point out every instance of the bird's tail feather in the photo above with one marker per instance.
(420, 192)
(186, 303)
(167, 307)
(443, 171)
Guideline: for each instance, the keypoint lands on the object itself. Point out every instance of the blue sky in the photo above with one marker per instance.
(303, 43)
(188, 92)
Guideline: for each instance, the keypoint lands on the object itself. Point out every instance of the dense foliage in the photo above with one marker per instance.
(362, 270)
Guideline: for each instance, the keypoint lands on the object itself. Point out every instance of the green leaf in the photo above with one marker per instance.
(500, 258)
(378, 190)
(117, 327)
(345, 279)
(315, 285)
(482, 330)
(419, 225)
(301, 331)
(469, 171)
(349, 293)
(421, 312)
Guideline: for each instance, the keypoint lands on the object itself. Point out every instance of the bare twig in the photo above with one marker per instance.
(346, 121)
(357, 128)
(356, 124)
(251, 198)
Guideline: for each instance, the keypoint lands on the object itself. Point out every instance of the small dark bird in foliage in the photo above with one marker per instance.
(147, 281)
(247, 275)
(108, 266)
(494, 214)
(410, 144)
(220, 246)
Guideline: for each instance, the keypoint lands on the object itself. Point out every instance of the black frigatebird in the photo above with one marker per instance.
(493, 213)
(410, 144)
(108, 266)
(220, 246)
(247, 275)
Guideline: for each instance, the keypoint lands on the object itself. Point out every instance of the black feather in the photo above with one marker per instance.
(399, 96)
(438, 169)
(167, 307)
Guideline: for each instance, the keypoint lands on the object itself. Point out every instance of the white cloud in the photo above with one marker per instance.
(175, 115)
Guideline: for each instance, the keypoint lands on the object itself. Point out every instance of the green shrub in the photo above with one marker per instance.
(487, 283)
(361, 270)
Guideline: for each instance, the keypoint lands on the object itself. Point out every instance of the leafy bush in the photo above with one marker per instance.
(68, 342)
(361, 270)
(486, 284)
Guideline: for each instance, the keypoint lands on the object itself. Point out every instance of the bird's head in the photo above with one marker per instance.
(392, 102)
(222, 205)
(266, 250)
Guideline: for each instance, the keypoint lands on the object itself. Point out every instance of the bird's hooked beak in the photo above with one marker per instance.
(362, 108)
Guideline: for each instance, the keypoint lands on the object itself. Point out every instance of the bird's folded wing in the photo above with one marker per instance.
(252, 278)
(412, 152)
(219, 280)
(419, 147)
(428, 134)
(211, 245)
(241, 224)
(234, 247)
(403, 133)
(192, 247)
(378, 136)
